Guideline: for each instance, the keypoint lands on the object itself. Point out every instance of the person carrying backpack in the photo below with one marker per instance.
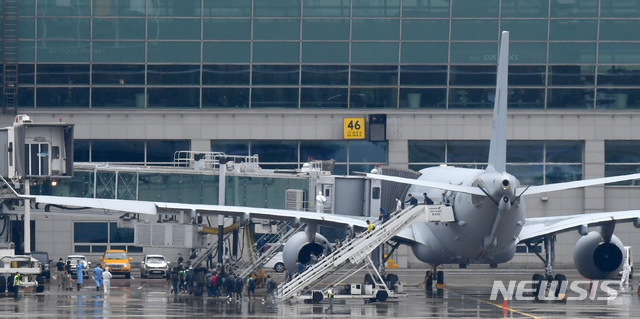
(239, 288)
(251, 287)
(175, 277)
(231, 285)
(272, 286)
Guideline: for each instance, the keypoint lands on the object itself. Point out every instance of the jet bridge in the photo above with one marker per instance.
(354, 254)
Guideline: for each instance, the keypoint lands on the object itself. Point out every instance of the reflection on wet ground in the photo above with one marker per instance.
(467, 295)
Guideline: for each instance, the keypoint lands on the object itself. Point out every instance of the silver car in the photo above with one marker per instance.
(154, 265)
(276, 263)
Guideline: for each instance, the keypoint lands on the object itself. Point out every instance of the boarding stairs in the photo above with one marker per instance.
(284, 231)
(351, 253)
(204, 256)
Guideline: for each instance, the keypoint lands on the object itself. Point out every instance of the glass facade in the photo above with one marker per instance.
(622, 157)
(532, 162)
(340, 54)
(98, 237)
(150, 152)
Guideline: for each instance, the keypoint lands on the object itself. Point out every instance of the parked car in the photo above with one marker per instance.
(154, 265)
(276, 263)
(74, 262)
(43, 262)
(117, 261)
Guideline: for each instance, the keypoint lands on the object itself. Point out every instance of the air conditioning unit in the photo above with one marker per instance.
(295, 199)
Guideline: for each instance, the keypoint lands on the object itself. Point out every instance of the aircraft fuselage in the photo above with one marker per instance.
(485, 227)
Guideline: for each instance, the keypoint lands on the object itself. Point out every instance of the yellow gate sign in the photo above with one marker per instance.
(354, 128)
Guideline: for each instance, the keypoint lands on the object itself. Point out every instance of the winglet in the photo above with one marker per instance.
(498, 146)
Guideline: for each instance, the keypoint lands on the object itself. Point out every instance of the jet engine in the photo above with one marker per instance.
(596, 259)
(299, 248)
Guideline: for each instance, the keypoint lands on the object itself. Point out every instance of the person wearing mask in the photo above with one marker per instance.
(60, 272)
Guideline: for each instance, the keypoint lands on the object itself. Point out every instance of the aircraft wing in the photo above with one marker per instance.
(540, 226)
(575, 184)
(443, 186)
(153, 208)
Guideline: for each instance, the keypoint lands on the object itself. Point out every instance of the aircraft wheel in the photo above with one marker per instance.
(382, 296)
(440, 277)
(537, 282)
(392, 279)
(316, 296)
(3, 283)
(560, 279)
(10, 284)
(40, 281)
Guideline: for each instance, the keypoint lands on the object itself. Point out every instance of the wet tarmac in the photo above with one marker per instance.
(467, 295)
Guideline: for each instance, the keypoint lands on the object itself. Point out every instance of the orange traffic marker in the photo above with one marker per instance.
(505, 308)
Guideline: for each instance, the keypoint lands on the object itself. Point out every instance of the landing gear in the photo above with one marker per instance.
(548, 280)
(561, 288)
(431, 276)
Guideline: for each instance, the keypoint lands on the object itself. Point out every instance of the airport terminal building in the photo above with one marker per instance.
(284, 79)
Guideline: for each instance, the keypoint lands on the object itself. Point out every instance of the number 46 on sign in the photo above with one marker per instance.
(354, 128)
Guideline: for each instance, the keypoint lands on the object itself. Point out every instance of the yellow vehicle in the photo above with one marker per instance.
(117, 261)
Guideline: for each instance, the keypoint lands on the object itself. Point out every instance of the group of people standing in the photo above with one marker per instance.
(64, 274)
(217, 283)
(414, 201)
(189, 280)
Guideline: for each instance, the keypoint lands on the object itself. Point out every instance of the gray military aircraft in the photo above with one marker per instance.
(488, 205)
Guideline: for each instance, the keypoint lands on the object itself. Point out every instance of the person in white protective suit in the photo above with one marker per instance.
(626, 271)
(106, 280)
(320, 199)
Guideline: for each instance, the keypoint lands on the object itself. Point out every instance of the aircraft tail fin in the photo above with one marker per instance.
(498, 144)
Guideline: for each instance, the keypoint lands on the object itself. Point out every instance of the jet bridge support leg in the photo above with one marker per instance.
(221, 240)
